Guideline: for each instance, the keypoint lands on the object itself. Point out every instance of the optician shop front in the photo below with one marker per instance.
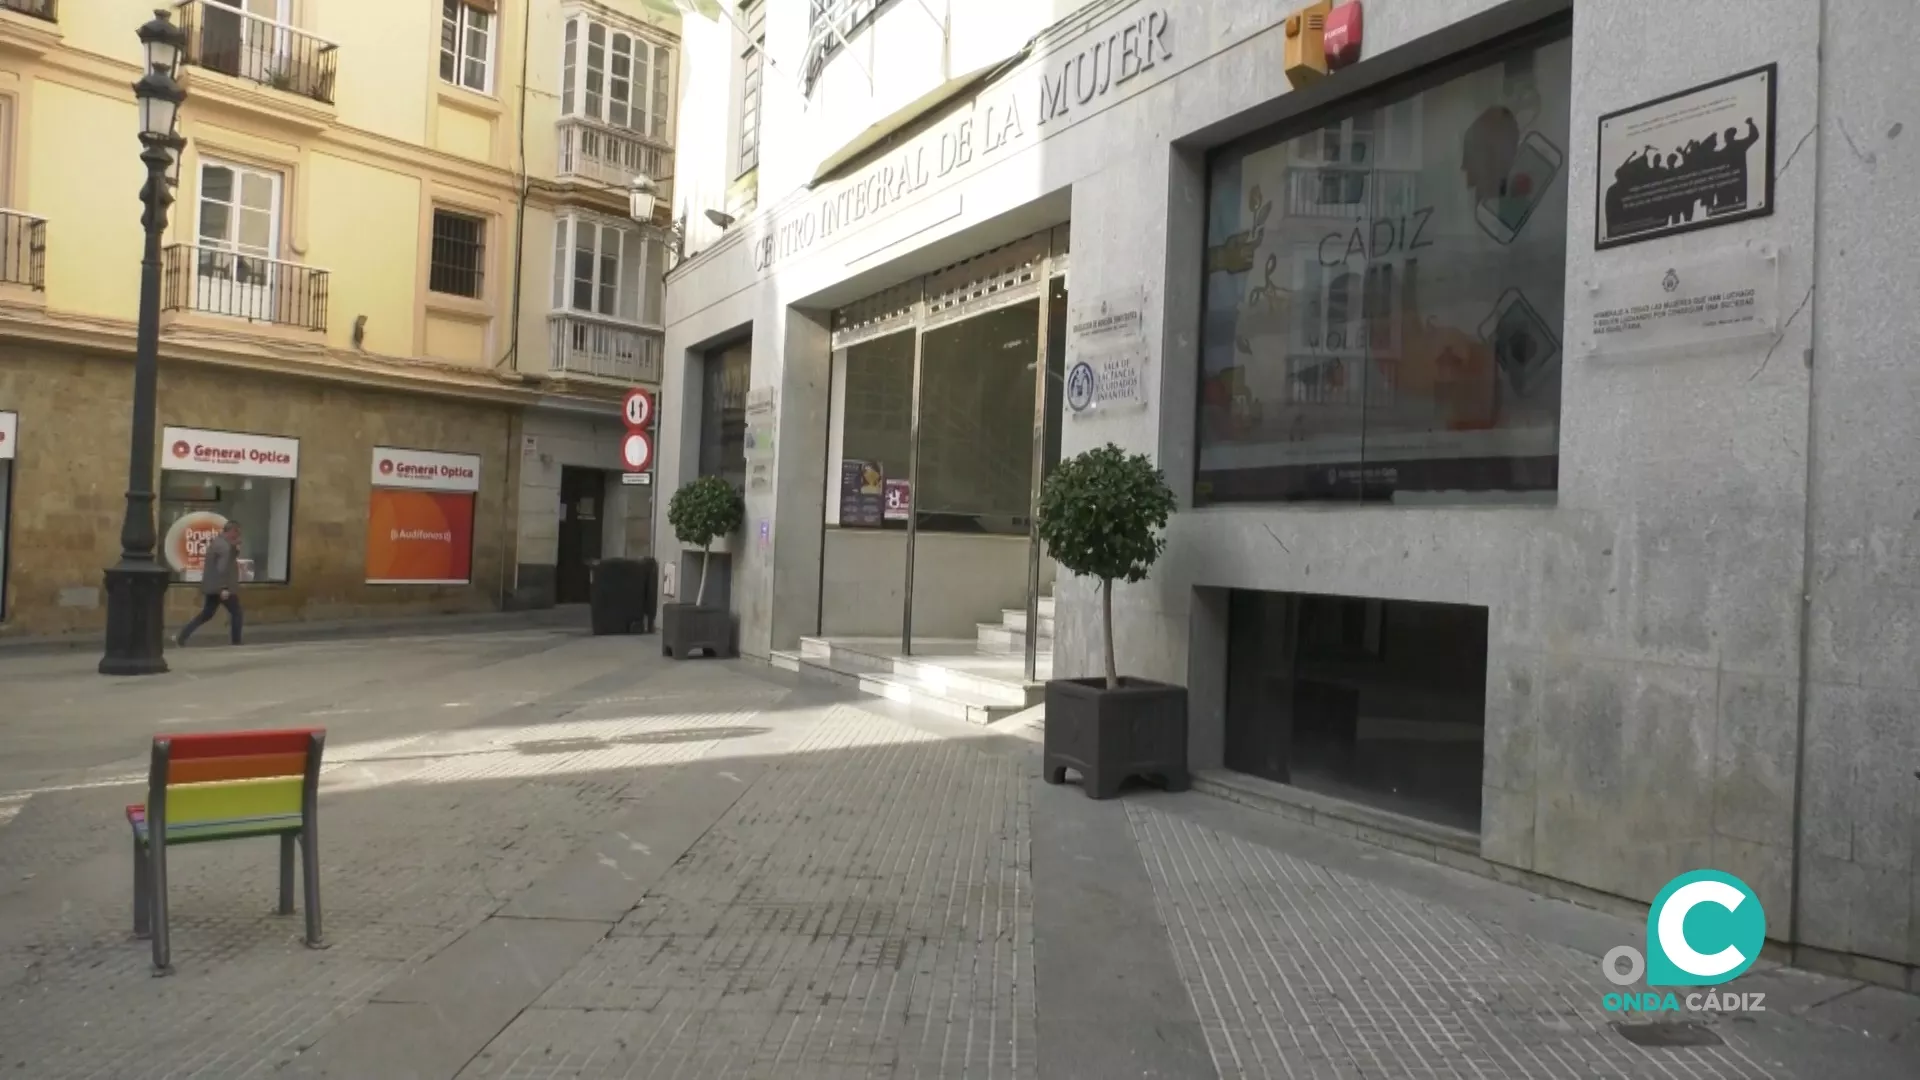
(420, 508)
(351, 503)
(1482, 371)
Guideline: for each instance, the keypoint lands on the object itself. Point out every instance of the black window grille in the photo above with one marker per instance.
(459, 254)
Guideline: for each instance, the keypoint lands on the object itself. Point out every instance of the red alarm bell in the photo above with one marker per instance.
(1343, 35)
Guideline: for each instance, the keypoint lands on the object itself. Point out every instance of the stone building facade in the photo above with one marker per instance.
(1676, 611)
(69, 482)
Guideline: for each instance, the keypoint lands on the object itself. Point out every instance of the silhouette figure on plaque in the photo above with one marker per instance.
(1652, 190)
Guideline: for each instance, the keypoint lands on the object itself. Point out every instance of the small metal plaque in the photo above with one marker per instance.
(1727, 297)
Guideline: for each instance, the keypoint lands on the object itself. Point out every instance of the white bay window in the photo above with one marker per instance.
(611, 269)
(615, 77)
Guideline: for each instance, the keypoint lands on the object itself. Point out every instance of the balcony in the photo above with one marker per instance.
(217, 281)
(603, 349)
(259, 50)
(608, 155)
(39, 9)
(23, 250)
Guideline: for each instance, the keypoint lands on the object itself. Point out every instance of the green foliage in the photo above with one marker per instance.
(1101, 514)
(705, 510)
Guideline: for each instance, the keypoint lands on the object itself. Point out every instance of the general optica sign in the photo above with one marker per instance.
(230, 453)
(425, 470)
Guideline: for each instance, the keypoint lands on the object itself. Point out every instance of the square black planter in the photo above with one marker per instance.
(686, 629)
(1108, 735)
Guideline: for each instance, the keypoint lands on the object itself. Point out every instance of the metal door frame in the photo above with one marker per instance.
(873, 317)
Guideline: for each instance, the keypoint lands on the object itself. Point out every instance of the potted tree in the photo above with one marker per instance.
(700, 513)
(1101, 514)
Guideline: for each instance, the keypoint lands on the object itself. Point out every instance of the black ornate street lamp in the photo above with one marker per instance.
(137, 585)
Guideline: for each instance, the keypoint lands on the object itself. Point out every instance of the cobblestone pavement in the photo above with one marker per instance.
(549, 855)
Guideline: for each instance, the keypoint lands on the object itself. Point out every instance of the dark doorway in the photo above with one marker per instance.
(583, 504)
(1056, 374)
(1381, 702)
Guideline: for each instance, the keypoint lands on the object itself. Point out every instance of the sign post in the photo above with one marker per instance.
(636, 448)
(638, 408)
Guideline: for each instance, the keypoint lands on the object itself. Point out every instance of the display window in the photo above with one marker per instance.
(1385, 292)
(208, 478)
(9, 442)
(420, 517)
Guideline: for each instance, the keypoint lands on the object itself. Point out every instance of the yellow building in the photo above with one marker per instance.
(401, 297)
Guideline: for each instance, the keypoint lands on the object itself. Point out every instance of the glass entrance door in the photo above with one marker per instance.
(973, 484)
(946, 394)
(977, 583)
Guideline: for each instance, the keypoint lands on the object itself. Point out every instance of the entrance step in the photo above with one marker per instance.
(948, 678)
(999, 639)
(1016, 619)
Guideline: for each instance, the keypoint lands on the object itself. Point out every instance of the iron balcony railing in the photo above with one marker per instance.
(219, 281)
(603, 348)
(258, 49)
(39, 9)
(590, 150)
(830, 24)
(23, 249)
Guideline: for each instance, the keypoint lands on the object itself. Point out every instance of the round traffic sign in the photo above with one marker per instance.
(638, 408)
(636, 451)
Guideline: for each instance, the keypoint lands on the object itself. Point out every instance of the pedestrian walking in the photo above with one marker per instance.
(219, 584)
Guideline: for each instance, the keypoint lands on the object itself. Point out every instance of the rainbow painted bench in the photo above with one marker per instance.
(228, 785)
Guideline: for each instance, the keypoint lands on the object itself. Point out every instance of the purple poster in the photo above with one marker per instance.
(899, 500)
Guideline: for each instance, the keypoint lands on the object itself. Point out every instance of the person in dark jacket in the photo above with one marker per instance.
(219, 584)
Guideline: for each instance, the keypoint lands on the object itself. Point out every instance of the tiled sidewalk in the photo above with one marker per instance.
(549, 855)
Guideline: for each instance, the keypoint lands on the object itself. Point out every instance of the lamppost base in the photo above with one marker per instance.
(136, 619)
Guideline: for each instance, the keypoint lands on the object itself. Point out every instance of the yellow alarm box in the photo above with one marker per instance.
(1306, 51)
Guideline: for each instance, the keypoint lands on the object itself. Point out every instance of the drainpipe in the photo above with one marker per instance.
(509, 516)
(520, 212)
(1817, 355)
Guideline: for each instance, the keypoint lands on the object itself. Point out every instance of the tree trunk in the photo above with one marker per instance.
(1106, 623)
(700, 597)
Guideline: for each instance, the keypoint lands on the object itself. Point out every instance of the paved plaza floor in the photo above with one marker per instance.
(552, 855)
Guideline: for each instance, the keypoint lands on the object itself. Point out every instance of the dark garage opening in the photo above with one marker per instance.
(1379, 702)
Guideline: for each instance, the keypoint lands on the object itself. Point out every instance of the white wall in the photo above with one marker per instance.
(709, 123)
(908, 50)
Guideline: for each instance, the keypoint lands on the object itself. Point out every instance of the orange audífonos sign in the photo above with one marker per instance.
(420, 517)
(419, 537)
